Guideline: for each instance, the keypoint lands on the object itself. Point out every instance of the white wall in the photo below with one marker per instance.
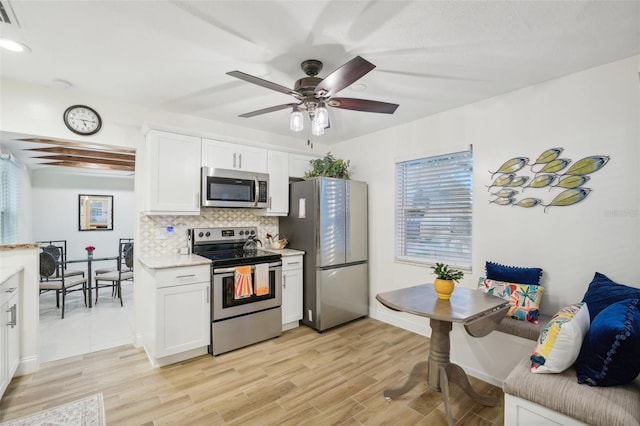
(594, 112)
(55, 210)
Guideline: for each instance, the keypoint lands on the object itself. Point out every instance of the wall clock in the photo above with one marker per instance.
(82, 120)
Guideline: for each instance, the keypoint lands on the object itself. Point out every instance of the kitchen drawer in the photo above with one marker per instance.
(9, 287)
(291, 262)
(182, 275)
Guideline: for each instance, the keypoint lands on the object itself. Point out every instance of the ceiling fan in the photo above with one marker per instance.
(314, 94)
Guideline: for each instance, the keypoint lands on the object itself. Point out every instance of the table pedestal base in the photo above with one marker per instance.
(440, 371)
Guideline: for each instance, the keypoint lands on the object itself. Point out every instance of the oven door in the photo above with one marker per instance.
(229, 300)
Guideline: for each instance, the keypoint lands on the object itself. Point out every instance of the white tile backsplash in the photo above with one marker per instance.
(154, 240)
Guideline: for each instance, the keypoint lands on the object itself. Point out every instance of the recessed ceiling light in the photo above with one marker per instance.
(13, 46)
(61, 84)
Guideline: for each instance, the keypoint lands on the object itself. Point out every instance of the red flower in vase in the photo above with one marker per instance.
(90, 249)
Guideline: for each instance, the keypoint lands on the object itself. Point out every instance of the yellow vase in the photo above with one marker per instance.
(443, 288)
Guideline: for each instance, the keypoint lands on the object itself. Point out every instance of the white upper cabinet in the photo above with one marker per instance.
(278, 168)
(226, 155)
(173, 173)
(299, 164)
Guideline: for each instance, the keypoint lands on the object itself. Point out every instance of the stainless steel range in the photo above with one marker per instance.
(246, 285)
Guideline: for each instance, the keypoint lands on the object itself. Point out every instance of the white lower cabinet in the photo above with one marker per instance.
(9, 331)
(182, 319)
(291, 291)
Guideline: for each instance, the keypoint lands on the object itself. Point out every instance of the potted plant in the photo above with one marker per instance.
(445, 280)
(329, 166)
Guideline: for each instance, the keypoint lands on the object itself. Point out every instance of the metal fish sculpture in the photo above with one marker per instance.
(541, 181)
(528, 202)
(502, 180)
(571, 181)
(554, 166)
(501, 201)
(548, 156)
(517, 181)
(588, 165)
(511, 166)
(568, 197)
(505, 193)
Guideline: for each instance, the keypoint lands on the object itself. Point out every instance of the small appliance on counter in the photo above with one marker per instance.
(246, 295)
(328, 220)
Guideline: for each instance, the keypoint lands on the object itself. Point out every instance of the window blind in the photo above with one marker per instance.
(9, 197)
(434, 209)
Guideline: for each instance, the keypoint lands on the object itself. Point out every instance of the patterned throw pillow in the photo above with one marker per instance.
(513, 274)
(560, 341)
(523, 298)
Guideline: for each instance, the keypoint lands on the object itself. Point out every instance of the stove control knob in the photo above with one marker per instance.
(253, 232)
(201, 234)
(208, 234)
(241, 232)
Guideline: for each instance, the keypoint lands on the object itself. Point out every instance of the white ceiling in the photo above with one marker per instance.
(430, 55)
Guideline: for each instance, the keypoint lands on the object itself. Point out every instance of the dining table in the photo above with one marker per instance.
(478, 312)
(89, 261)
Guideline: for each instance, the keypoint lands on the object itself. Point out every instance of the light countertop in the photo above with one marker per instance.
(173, 261)
(285, 252)
(19, 246)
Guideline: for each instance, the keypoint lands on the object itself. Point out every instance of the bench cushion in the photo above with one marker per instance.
(597, 406)
(524, 329)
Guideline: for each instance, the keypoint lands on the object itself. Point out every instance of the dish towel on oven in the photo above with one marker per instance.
(262, 279)
(242, 282)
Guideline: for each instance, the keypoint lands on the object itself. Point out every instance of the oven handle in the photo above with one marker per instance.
(253, 267)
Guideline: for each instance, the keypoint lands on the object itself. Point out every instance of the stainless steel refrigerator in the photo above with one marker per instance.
(328, 220)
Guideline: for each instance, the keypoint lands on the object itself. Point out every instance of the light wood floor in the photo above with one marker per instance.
(302, 377)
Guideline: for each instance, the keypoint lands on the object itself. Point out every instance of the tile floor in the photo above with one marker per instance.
(83, 330)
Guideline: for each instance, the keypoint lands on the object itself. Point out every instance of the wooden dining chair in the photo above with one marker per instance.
(124, 272)
(61, 284)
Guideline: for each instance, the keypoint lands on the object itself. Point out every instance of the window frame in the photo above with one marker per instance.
(460, 255)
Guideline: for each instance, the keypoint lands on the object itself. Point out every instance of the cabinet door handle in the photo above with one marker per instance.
(208, 296)
(293, 263)
(234, 160)
(14, 320)
(240, 161)
(186, 276)
(284, 281)
(269, 202)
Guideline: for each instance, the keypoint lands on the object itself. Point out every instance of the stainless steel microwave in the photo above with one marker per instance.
(234, 188)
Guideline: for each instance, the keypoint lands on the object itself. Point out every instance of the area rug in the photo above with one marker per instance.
(87, 411)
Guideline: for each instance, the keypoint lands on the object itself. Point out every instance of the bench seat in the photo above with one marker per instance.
(592, 405)
(524, 329)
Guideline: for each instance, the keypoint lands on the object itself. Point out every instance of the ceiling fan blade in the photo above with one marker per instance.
(267, 110)
(363, 105)
(344, 76)
(261, 82)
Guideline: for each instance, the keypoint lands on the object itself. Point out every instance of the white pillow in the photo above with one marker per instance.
(560, 341)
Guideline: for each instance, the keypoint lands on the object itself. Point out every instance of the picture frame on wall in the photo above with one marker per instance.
(95, 212)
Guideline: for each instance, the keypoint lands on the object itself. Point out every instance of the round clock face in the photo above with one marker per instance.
(82, 120)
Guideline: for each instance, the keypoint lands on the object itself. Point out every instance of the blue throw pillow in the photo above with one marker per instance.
(603, 292)
(609, 354)
(513, 274)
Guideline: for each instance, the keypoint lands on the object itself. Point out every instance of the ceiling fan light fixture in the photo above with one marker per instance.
(296, 121)
(317, 129)
(322, 115)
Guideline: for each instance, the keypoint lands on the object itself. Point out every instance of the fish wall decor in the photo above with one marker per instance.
(562, 180)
